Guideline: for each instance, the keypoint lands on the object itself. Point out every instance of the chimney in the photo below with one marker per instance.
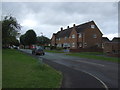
(61, 28)
(67, 27)
(73, 25)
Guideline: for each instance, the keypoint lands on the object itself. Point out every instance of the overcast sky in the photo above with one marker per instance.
(49, 17)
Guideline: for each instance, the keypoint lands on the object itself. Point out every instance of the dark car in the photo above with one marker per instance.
(38, 51)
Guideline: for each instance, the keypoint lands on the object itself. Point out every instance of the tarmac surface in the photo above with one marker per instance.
(81, 72)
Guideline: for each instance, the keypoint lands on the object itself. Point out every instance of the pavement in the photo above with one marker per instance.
(81, 72)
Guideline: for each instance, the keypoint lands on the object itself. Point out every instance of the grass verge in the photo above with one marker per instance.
(94, 55)
(23, 71)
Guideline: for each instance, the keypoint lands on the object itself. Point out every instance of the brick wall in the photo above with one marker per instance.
(87, 50)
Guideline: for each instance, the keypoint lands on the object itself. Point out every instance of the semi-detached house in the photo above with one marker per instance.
(85, 35)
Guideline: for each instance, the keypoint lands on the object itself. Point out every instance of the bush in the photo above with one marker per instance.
(52, 47)
(59, 48)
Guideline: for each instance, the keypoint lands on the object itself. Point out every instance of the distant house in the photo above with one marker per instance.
(112, 46)
(104, 41)
(85, 35)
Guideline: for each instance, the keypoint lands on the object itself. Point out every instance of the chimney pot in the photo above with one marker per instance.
(61, 28)
(73, 25)
(67, 27)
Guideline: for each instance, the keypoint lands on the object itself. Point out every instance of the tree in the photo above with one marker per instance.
(13, 41)
(43, 40)
(29, 38)
(10, 29)
(22, 39)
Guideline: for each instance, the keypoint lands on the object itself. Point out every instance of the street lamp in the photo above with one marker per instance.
(41, 39)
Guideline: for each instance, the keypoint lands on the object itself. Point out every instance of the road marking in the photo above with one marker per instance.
(96, 78)
(90, 63)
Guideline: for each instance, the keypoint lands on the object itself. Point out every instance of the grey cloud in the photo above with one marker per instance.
(53, 15)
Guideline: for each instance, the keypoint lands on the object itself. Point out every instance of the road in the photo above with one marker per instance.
(104, 71)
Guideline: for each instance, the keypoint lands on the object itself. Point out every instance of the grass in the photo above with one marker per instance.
(94, 55)
(23, 71)
(54, 51)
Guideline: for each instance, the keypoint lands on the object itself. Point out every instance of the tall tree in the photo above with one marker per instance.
(43, 40)
(10, 28)
(30, 37)
(22, 39)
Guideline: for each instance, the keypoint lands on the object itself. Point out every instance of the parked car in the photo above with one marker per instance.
(38, 51)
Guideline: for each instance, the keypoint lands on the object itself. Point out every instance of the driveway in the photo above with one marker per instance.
(104, 72)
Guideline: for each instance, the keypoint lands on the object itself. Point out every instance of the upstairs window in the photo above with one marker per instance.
(80, 35)
(94, 36)
(92, 26)
(73, 36)
(65, 38)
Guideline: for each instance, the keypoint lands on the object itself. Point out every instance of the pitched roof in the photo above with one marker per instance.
(79, 28)
(116, 39)
(82, 27)
(105, 39)
(63, 33)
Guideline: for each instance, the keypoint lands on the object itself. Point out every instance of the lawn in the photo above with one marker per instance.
(94, 55)
(23, 71)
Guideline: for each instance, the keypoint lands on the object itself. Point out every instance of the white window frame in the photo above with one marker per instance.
(59, 39)
(73, 36)
(80, 45)
(65, 38)
(94, 36)
(59, 45)
(80, 35)
(92, 26)
(73, 44)
(85, 44)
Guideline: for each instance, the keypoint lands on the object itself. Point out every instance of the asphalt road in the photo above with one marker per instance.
(106, 73)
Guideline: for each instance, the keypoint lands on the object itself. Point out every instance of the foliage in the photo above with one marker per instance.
(13, 41)
(43, 40)
(22, 39)
(10, 29)
(59, 48)
(28, 38)
(23, 71)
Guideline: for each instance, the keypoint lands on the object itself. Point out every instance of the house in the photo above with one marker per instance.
(104, 41)
(113, 46)
(85, 35)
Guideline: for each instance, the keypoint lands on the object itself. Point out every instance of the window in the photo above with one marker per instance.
(66, 45)
(102, 45)
(73, 36)
(73, 44)
(65, 38)
(94, 36)
(59, 45)
(92, 26)
(80, 45)
(85, 44)
(98, 45)
(80, 35)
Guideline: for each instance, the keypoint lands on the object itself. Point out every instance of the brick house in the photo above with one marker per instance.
(85, 35)
(104, 41)
(113, 46)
